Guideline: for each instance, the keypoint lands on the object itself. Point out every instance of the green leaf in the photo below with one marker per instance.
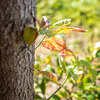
(88, 97)
(37, 97)
(88, 58)
(48, 75)
(57, 61)
(98, 53)
(92, 71)
(62, 64)
(75, 76)
(59, 69)
(74, 95)
(87, 78)
(87, 86)
(74, 72)
(86, 83)
(42, 86)
(30, 34)
(55, 97)
(61, 22)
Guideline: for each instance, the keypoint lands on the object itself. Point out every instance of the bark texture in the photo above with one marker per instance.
(16, 61)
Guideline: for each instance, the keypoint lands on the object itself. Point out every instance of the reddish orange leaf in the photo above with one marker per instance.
(48, 75)
(56, 44)
(78, 30)
(66, 53)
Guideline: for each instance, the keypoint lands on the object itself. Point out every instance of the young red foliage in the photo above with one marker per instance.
(78, 30)
(66, 53)
(56, 44)
(48, 75)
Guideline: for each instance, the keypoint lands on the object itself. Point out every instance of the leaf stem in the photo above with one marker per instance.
(58, 88)
(41, 41)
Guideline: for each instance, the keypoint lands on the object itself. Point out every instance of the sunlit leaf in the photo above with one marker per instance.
(61, 22)
(48, 75)
(63, 29)
(92, 71)
(66, 29)
(79, 79)
(30, 34)
(66, 53)
(56, 44)
(87, 79)
(48, 59)
(88, 58)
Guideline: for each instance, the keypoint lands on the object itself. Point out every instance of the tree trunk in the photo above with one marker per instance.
(16, 61)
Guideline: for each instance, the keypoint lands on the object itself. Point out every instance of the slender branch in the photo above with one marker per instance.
(58, 88)
(41, 41)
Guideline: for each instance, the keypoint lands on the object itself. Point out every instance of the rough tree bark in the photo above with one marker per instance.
(16, 61)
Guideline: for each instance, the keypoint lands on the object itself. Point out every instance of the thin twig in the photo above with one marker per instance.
(41, 41)
(58, 88)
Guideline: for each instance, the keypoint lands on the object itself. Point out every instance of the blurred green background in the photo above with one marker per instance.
(83, 13)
